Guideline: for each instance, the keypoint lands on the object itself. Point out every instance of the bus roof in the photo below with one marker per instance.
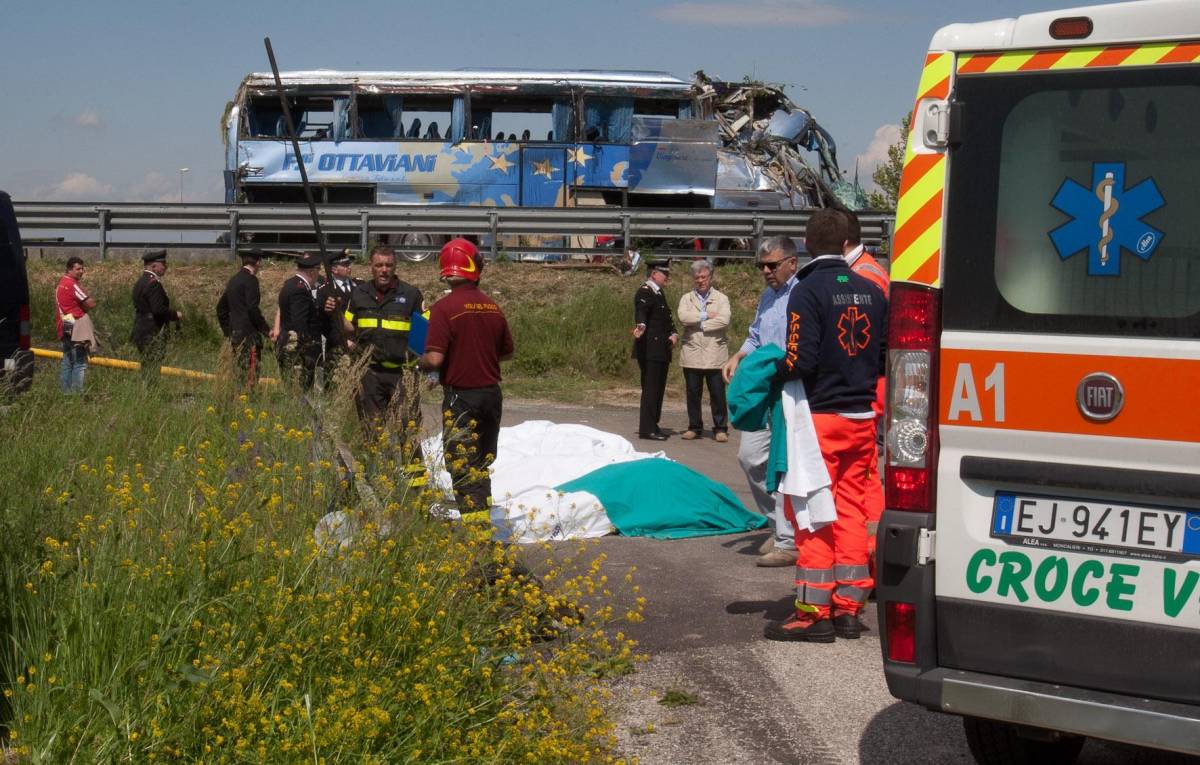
(1143, 21)
(582, 78)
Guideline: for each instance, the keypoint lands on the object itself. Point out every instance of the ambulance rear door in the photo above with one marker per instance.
(1068, 480)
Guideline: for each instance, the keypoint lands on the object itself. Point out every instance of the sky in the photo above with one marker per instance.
(107, 101)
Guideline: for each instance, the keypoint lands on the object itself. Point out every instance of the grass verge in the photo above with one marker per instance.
(166, 597)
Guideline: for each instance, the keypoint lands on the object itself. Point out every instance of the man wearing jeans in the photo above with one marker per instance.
(777, 260)
(72, 304)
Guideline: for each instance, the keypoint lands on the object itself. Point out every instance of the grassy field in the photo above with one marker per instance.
(166, 598)
(571, 328)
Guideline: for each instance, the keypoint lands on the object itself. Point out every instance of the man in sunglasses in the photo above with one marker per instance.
(777, 262)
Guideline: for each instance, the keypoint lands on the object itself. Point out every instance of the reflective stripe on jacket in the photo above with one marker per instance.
(382, 320)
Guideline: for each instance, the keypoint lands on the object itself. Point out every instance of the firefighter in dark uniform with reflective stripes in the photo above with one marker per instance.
(152, 312)
(298, 346)
(379, 318)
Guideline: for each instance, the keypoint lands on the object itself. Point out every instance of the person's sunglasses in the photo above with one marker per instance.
(771, 266)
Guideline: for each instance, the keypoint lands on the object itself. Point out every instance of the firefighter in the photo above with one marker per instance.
(467, 339)
(378, 318)
(836, 341)
(152, 312)
(333, 297)
(298, 344)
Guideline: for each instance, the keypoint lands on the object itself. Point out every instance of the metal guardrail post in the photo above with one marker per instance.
(493, 226)
(758, 233)
(234, 235)
(102, 240)
(625, 230)
(364, 233)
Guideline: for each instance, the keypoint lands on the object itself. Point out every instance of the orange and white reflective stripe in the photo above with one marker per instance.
(917, 242)
(1034, 391)
(1092, 57)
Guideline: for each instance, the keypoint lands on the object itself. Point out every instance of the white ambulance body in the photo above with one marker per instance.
(1039, 558)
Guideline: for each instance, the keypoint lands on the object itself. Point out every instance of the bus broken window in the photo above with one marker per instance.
(316, 118)
(379, 116)
(504, 118)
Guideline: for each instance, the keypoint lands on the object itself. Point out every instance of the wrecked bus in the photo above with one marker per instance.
(525, 138)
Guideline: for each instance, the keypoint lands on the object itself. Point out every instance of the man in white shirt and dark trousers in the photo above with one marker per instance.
(776, 260)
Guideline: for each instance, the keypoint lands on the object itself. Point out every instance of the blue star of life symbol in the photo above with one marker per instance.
(1106, 219)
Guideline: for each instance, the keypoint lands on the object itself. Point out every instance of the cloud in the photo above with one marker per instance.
(757, 13)
(155, 187)
(90, 119)
(75, 187)
(876, 153)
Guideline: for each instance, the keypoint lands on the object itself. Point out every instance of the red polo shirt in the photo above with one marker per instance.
(471, 330)
(69, 297)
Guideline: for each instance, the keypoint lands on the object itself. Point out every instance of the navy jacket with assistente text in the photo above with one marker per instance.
(836, 336)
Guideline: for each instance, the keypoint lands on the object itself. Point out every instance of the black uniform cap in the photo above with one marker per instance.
(658, 264)
(255, 254)
(151, 256)
(342, 259)
(308, 260)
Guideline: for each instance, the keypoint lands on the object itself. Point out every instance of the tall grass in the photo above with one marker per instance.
(166, 598)
(571, 328)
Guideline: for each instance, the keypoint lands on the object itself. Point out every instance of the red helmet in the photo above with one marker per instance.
(459, 258)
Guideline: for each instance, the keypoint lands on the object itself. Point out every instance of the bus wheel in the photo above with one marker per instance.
(998, 743)
(431, 244)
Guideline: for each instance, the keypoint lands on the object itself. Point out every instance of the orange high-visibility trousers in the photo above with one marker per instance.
(832, 568)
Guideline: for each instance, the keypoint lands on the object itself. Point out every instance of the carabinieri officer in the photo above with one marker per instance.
(653, 340)
(152, 312)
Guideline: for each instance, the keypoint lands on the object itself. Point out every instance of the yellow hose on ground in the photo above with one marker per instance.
(102, 361)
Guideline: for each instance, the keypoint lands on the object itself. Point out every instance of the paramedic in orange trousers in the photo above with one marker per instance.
(862, 263)
(837, 325)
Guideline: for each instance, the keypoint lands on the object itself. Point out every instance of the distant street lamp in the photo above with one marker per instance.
(182, 170)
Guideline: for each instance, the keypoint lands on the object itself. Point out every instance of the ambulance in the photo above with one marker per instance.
(1039, 558)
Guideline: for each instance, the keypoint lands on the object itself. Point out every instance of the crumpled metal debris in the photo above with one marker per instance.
(763, 134)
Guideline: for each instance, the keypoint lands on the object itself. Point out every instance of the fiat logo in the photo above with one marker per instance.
(1100, 397)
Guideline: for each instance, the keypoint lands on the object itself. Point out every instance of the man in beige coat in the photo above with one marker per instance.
(704, 314)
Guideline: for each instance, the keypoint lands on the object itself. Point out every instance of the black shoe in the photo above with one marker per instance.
(847, 626)
(659, 436)
(794, 630)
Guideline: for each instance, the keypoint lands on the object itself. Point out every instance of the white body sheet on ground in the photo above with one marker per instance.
(531, 459)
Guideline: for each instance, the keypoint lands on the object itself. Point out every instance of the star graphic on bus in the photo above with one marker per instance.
(1107, 218)
(544, 168)
(500, 162)
(580, 157)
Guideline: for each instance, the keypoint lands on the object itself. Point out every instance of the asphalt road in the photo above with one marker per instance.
(756, 701)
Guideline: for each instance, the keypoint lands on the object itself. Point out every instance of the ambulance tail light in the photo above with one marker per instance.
(23, 339)
(914, 326)
(1071, 28)
(901, 631)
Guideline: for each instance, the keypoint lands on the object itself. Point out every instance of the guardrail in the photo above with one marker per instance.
(289, 227)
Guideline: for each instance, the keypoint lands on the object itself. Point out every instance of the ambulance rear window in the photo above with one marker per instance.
(1073, 204)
